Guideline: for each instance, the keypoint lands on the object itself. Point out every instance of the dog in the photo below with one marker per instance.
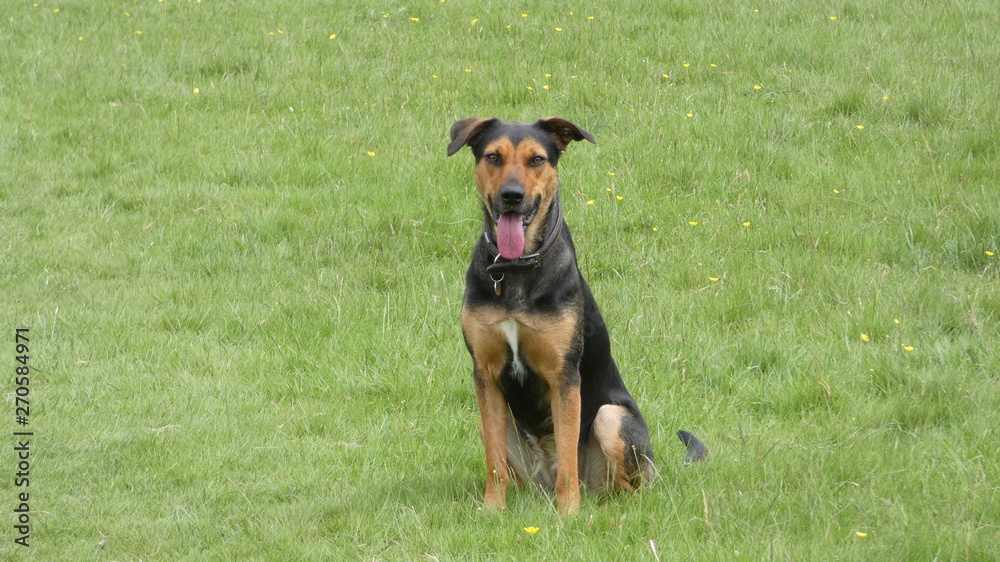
(553, 406)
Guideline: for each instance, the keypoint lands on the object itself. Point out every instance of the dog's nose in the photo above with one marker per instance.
(512, 194)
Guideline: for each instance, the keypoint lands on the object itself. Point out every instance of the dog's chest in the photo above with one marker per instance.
(526, 393)
(510, 330)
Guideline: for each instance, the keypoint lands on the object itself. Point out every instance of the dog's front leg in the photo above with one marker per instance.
(489, 354)
(566, 422)
(552, 346)
(493, 414)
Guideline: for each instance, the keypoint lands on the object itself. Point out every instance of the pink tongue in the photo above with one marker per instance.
(510, 236)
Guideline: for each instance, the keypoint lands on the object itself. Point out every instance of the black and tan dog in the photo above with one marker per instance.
(553, 405)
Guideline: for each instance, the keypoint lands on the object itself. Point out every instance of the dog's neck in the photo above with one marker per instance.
(553, 229)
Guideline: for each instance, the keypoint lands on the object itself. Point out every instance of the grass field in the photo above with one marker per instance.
(234, 235)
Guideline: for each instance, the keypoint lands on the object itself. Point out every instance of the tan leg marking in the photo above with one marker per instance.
(489, 353)
(607, 430)
(566, 420)
(546, 342)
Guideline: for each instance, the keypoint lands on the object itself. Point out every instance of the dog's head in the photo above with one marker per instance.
(516, 173)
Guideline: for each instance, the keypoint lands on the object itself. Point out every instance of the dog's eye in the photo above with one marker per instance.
(537, 160)
(493, 158)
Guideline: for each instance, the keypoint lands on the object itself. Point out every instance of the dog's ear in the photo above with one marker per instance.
(563, 132)
(466, 131)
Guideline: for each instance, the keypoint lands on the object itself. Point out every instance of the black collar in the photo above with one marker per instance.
(529, 262)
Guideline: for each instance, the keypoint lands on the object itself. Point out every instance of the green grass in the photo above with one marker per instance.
(244, 327)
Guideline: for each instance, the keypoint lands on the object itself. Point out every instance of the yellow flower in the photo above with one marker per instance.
(693, 223)
(864, 337)
(558, 29)
(713, 279)
(713, 65)
(385, 15)
(758, 87)
(334, 36)
(833, 18)
(545, 87)
(619, 197)
(474, 21)
(80, 38)
(434, 75)
(896, 320)
(861, 127)
(524, 15)
(860, 534)
(611, 174)
(197, 91)
(746, 223)
(990, 254)
(548, 76)
(666, 76)
(590, 17)
(908, 348)
(687, 64)
(468, 70)
(885, 97)
(836, 191)
(370, 153)
(656, 229)
(590, 202)
(138, 32)
(531, 530)
(414, 19)
(690, 114)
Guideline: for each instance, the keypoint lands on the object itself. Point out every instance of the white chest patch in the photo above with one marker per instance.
(509, 328)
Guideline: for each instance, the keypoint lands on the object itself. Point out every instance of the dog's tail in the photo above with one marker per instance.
(696, 449)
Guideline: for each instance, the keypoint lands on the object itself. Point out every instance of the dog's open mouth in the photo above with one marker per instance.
(510, 233)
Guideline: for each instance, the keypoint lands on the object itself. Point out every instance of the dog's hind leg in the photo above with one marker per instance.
(625, 459)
